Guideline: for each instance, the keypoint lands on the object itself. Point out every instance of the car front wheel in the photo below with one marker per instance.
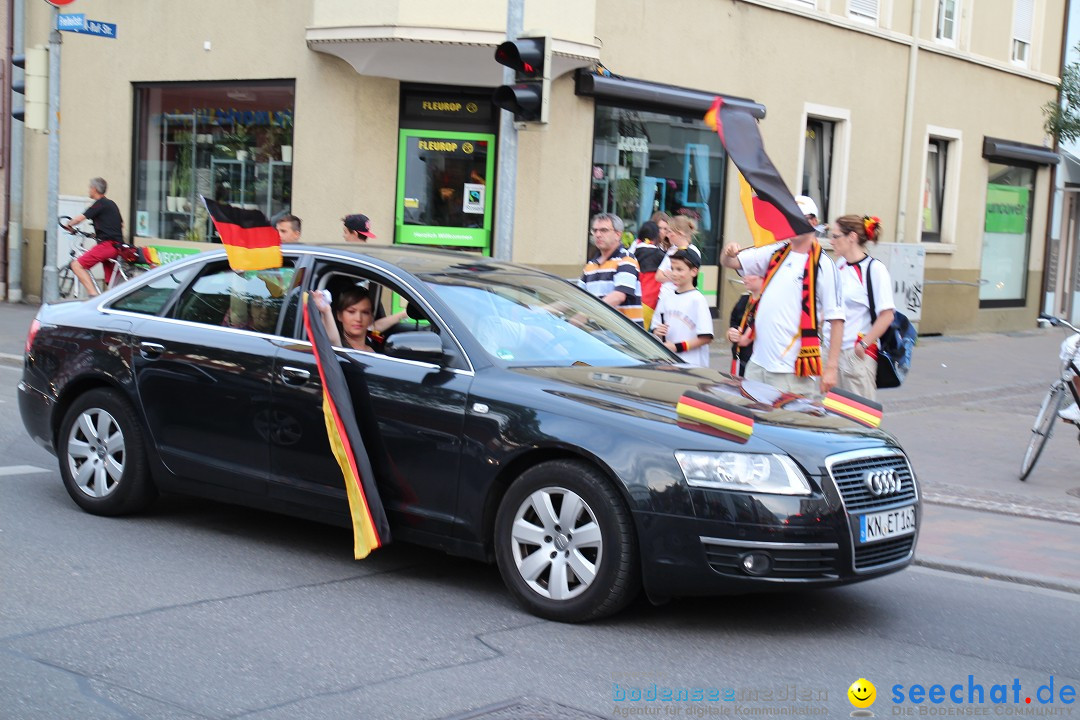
(565, 543)
(102, 456)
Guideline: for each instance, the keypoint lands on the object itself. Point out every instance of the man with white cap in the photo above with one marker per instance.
(799, 298)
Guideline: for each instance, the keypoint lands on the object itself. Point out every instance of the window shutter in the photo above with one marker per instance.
(864, 8)
(1022, 14)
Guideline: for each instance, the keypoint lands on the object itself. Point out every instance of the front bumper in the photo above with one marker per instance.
(745, 542)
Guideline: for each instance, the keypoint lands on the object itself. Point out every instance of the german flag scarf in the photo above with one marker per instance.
(808, 363)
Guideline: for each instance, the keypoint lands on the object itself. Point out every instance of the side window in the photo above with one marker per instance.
(151, 298)
(249, 300)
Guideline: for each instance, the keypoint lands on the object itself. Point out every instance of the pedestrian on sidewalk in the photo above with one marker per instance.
(612, 274)
(357, 228)
(648, 254)
(800, 297)
(859, 272)
(682, 320)
(741, 327)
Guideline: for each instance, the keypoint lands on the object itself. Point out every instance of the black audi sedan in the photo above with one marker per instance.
(509, 416)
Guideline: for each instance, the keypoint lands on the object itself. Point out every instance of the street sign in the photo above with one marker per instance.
(60, 3)
(77, 23)
(71, 22)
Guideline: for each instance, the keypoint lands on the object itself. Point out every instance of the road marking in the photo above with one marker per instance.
(21, 470)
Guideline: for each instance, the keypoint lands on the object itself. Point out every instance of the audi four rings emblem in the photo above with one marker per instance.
(882, 482)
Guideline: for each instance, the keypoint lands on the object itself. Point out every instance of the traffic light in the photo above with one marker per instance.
(527, 98)
(34, 87)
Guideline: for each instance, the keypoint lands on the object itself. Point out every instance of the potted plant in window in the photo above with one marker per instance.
(235, 143)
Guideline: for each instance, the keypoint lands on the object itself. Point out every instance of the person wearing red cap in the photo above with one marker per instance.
(357, 228)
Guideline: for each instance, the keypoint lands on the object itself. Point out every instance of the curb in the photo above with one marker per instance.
(995, 573)
(1001, 508)
(11, 360)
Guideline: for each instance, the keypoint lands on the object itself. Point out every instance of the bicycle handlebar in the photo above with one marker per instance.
(63, 220)
(1058, 322)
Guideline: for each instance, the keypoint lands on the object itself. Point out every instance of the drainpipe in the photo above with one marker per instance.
(14, 196)
(909, 120)
(1064, 281)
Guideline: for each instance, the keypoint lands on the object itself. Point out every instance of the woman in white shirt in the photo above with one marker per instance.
(858, 356)
(681, 231)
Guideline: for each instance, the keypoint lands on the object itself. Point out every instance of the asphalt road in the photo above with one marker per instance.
(200, 610)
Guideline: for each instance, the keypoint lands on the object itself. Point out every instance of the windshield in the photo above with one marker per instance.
(532, 320)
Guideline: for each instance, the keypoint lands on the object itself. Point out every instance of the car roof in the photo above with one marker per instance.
(417, 260)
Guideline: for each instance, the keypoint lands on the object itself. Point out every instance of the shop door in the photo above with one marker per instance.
(444, 189)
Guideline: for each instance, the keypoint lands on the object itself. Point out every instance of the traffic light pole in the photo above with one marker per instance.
(49, 289)
(506, 185)
(15, 206)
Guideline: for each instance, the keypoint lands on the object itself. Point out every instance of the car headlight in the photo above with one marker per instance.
(748, 472)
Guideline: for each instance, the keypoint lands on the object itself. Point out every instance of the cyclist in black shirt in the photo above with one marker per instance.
(109, 228)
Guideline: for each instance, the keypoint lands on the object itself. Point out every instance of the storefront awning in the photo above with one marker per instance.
(1007, 151)
(434, 55)
(655, 95)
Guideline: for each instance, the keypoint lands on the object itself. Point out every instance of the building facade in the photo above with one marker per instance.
(925, 113)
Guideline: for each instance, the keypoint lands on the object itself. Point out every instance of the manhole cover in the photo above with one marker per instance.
(526, 709)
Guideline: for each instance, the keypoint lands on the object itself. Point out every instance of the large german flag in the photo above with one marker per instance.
(370, 527)
(769, 206)
(696, 407)
(852, 406)
(251, 242)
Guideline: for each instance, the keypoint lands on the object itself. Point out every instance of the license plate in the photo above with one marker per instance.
(884, 525)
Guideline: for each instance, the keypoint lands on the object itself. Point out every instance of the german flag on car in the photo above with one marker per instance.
(698, 407)
(854, 407)
(371, 530)
(251, 242)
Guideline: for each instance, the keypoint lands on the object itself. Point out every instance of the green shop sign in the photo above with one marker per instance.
(1007, 209)
(170, 253)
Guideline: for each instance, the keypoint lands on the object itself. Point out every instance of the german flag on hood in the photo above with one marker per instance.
(769, 206)
(251, 242)
(371, 530)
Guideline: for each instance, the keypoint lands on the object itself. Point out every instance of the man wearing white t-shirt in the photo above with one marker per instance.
(788, 342)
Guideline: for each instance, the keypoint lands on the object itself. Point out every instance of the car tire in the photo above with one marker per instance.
(551, 572)
(103, 456)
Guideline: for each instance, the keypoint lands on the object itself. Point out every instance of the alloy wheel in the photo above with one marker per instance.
(557, 543)
(96, 452)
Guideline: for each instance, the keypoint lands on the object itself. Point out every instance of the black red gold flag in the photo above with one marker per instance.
(854, 407)
(770, 207)
(371, 530)
(251, 242)
(730, 419)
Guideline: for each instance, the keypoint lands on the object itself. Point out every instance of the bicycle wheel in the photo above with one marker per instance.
(65, 282)
(1043, 427)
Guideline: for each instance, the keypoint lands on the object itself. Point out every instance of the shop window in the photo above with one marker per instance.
(228, 142)
(644, 162)
(947, 18)
(933, 200)
(1023, 11)
(1006, 236)
(863, 9)
(818, 164)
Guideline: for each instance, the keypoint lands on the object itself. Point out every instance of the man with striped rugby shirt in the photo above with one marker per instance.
(612, 274)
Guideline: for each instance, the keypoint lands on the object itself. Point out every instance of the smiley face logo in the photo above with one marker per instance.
(862, 693)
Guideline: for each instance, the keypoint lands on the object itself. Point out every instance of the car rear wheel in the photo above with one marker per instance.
(565, 543)
(102, 456)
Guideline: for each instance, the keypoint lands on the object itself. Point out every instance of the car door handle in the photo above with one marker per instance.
(293, 376)
(151, 350)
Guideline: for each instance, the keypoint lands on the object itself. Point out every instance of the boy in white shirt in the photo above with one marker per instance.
(682, 320)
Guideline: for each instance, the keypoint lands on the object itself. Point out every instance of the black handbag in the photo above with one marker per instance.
(895, 346)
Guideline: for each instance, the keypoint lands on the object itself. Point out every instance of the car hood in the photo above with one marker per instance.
(783, 420)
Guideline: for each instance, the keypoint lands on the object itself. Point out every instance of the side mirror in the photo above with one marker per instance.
(422, 345)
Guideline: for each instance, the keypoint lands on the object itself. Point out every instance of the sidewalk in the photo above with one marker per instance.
(964, 416)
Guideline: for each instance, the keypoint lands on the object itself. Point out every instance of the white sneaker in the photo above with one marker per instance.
(1071, 414)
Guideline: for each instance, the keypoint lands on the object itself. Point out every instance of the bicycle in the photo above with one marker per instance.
(1052, 403)
(127, 264)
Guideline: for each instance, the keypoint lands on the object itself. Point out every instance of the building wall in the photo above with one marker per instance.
(795, 59)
